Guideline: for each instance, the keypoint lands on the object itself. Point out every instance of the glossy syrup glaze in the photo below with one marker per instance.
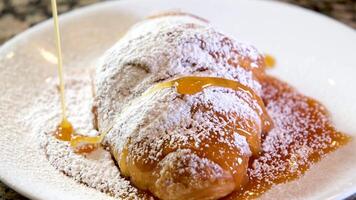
(270, 61)
(303, 133)
(190, 85)
(79, 143)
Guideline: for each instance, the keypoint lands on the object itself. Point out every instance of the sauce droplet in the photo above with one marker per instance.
(86, 144)
(270, 61)
(79, 143)
(64, 130)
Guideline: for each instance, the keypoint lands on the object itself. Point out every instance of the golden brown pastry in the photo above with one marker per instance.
(176, 143)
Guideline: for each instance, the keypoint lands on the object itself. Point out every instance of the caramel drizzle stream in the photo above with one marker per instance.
(59, 59)
(65, 130)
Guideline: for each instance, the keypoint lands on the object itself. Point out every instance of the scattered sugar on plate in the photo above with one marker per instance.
(97, 170)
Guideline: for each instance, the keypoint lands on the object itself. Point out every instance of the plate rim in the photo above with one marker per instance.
(90, 8)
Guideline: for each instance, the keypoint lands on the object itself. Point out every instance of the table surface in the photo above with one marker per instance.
(19, 15)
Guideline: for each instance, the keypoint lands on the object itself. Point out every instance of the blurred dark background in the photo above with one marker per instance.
(18, 15)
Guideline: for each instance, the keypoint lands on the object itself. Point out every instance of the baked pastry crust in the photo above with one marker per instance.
(180, 146)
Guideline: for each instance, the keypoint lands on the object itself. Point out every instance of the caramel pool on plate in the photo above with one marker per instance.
(303, 133)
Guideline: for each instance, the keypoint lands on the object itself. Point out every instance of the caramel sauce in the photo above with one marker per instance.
(193, 84)
(79, 143)
(65, 130)
(190, 85)
(270, 61)
(312, 135)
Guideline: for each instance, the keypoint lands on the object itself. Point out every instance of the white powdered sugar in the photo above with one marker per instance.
(301, 130)
(98, 169)
(153, 51)
(163, 48)
(185, 126)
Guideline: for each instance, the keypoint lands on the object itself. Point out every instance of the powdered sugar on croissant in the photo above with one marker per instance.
(179, 146)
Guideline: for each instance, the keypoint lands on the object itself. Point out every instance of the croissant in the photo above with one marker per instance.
(181, 100)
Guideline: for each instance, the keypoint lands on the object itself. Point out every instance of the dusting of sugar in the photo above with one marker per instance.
(165, 48)
(302, 134)
(156, 50)
(162, 48)
(96, 170)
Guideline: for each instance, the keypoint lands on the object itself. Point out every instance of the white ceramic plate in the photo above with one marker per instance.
(315, 54)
